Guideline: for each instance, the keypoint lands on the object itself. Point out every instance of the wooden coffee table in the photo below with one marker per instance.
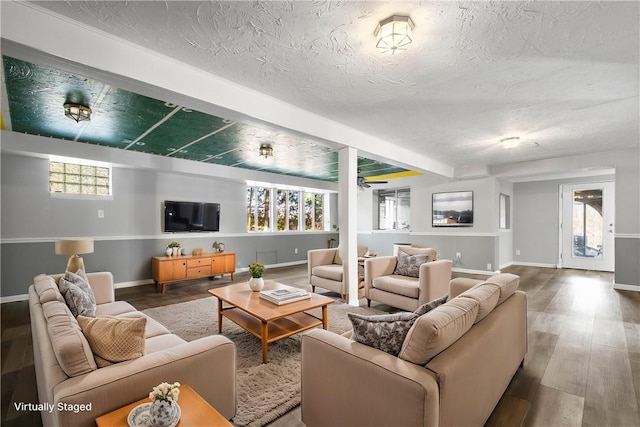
(195, 412)
(267, 321)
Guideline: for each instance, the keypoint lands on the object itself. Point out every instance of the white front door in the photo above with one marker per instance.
(587, 229)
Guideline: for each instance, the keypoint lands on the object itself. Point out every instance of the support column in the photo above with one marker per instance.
(348, 212)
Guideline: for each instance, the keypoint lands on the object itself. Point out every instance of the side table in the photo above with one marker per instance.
(195, 412)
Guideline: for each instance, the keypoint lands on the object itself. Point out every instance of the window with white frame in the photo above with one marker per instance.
(81, 179)
(292, 210)
(394, 209)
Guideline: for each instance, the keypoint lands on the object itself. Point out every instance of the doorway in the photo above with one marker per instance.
(586, 226)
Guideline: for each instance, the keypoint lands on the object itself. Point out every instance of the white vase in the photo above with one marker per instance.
(256, 284)
(168, 251)
(176, 251)
(162, 413)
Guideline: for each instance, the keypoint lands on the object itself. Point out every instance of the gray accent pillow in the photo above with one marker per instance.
(77, 293)
(385, 332)
(409, 265)
(425, 308)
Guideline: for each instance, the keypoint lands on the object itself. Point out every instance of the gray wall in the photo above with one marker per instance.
(130, 232)
(479, 245)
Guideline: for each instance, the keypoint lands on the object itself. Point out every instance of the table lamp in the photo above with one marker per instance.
(73, 248)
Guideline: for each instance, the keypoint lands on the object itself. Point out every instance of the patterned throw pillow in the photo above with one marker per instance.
(425, 308)
(409, 265)
(385, 332)
(113, 339)
(77, 293)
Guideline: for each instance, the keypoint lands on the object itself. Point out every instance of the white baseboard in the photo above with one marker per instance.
(623, 287)
(14, 298)
(535, 264)
(133, 283)
(470, 271)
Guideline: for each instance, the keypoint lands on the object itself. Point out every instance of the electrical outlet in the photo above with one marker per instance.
(457, 255)
(100, 213)
(489, 267)
(517, 251)
(295, 251)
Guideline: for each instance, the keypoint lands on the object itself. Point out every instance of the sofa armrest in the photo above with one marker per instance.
(102, 286)
(348, 383)
(377, 267)
(207, 364)
(461, 284)
(434, 278)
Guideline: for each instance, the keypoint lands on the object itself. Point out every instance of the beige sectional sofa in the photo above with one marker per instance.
(463, 355)
(78, 392)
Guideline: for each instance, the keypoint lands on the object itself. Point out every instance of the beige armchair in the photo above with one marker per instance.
(406, 292)
(325, 270)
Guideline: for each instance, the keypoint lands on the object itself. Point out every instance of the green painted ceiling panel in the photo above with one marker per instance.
(126, 120)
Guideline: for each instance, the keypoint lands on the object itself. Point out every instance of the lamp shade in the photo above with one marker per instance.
(394, 34)
(74, 247)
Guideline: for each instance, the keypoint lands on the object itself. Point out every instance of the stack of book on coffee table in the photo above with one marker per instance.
(284, 296)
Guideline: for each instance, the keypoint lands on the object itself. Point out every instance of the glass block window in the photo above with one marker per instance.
(71, 178)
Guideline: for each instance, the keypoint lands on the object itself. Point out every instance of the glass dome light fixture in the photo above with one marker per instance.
(77, 112)
(266, 150)
(394, 34)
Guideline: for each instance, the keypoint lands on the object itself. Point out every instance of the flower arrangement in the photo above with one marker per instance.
(256, 269)
(165, 392)
(173, 244)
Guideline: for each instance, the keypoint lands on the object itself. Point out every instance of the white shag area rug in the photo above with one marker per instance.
(264, 391)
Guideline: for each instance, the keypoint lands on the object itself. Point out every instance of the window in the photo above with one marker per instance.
(394, 209)
(258, 209)
(83, 179)
(505, 212)
(287, 210)
(287, 207)
(313, 211)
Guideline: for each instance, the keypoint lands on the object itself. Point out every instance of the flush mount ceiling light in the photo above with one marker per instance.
(77, 112)
(394, 34)
(515, 142)
(266, 150)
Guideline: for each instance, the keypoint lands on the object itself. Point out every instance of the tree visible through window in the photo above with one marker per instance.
(71, 178)
(286, 209)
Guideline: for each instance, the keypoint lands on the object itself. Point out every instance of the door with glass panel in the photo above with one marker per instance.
(587, 228)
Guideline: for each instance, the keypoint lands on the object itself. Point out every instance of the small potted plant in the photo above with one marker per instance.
(175, 248)
(164, 406)
(256, 283)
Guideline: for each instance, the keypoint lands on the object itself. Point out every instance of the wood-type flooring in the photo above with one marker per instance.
(582, 367)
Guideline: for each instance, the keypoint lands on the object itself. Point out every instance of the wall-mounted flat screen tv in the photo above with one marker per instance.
(453, 209)
(191, 216)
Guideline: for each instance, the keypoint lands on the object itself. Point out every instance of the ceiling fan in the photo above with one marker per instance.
(363, 183)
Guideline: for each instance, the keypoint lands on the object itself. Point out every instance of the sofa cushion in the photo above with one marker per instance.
(115, 308)
(153, 327)
(162, 342)
(47, 289)
(385, 332)
(401, 285)
(70, 346)
(409, 265)
(114, 339)
(508, 284)
(427, 307)
(331, 272)
(486, 294)
(438, 329)
(78, 294)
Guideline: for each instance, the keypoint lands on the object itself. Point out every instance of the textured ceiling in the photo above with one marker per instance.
(563, 77)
